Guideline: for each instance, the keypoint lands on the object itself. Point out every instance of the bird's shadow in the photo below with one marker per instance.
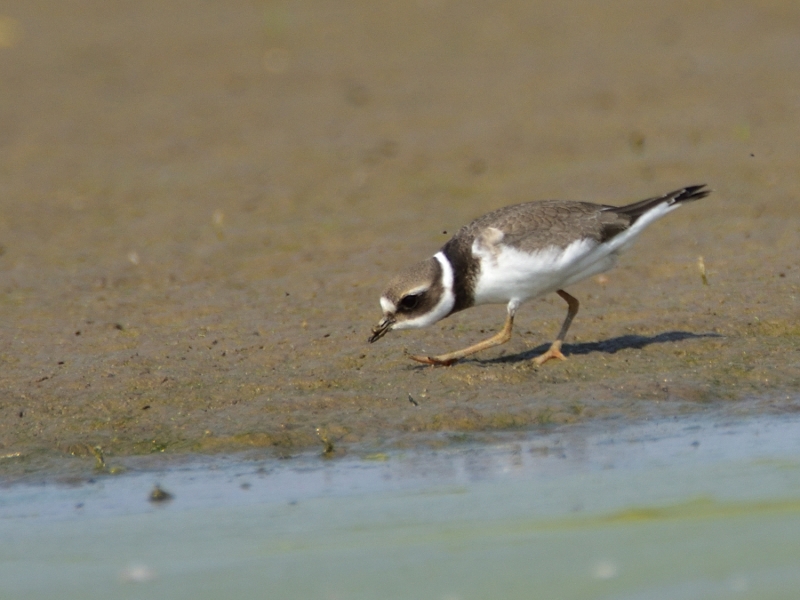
(609, 346)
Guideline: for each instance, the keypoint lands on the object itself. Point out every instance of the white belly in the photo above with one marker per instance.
(511, 275)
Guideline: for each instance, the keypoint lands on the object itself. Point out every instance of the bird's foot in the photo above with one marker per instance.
(433, 360)
(553, 352)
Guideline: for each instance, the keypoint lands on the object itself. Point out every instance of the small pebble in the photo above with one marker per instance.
(160, 495)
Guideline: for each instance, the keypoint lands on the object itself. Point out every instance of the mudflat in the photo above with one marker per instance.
(201, 202)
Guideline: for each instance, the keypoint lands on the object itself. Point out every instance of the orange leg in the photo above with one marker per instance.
(555, 347)
(501, 337)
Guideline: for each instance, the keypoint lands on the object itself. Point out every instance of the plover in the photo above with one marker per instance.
(515, 254)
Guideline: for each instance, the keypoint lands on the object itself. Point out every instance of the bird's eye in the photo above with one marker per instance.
(409, 302)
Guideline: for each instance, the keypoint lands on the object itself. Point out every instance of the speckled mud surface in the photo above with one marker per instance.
(200, 203)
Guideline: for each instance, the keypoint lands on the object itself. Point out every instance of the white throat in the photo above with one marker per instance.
(445, 304)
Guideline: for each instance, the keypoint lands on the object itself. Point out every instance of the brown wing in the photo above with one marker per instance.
(534, 226)
(537, 225)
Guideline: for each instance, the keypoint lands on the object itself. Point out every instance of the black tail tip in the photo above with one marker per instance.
(691, 192)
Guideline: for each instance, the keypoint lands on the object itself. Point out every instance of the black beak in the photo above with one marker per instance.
(381, 329)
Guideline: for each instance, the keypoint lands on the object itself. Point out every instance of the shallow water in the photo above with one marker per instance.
(700, 507)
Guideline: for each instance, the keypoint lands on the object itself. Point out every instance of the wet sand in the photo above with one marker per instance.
(201, 203)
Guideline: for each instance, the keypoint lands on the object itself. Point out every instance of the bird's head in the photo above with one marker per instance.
(417, 297)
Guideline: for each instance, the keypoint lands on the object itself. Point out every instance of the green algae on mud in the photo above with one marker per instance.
(194, 247)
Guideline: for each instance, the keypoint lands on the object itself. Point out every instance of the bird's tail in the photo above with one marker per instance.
(687, 194)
